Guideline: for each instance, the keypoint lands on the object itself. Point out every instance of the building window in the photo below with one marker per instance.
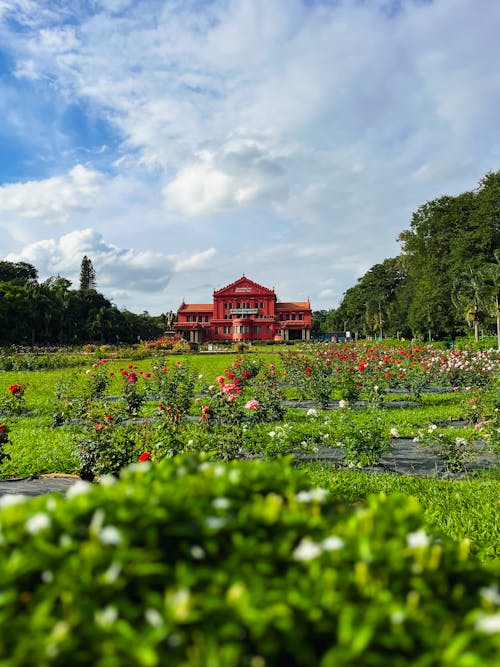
(188, 318)
(227, 330)
(258, 329)
(301, 316)
(216, 330)
(268, 329)
(225, 316)
(200, 318)
(293, 316)
(287, 316)
(261, 304)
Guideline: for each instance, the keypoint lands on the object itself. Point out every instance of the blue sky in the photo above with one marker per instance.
(182, 143)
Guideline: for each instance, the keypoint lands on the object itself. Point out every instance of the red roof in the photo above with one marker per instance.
(293, 305)
(196, 307)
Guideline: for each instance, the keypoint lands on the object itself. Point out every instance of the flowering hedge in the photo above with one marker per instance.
(193, 563)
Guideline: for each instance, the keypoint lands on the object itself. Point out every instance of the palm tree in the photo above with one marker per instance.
(491, 276)
(469, 296)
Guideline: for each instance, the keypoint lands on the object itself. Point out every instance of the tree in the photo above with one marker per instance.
(87, 274)
(490, 274)
(20, 273)
(470, 297)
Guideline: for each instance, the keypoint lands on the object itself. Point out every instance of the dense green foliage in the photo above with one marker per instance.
(445, 280)
(193, 563)
(52, 313)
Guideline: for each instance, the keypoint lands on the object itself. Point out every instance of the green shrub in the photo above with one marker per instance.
(195, 564)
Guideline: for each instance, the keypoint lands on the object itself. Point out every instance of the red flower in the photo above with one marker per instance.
(99, 427)
(308, 372)
(145, 456)
(108, 418)
(3, 428)
(16, 390)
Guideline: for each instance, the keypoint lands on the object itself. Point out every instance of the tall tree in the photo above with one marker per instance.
(87, 274)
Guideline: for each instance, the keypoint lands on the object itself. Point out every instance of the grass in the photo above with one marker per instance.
(468, 508)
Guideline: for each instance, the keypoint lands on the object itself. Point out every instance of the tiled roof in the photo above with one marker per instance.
(196, 307)
(290, 305)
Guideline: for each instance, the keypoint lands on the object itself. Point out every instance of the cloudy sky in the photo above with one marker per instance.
(183, 143)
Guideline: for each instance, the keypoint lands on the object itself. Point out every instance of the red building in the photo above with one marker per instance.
(244, 311)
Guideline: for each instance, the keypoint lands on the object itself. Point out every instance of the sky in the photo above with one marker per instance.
(180, 144)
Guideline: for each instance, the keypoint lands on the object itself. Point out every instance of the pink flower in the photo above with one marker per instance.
(231, 398)
(220, 379)
(252, 405)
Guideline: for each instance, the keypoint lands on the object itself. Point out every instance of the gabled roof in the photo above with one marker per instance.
(243, 284)
(196, 307)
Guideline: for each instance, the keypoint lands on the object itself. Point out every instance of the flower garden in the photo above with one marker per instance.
(254, 509)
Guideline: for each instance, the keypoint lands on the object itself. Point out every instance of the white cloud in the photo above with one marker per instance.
(242, 172)
(199, 261)
(293, 139)
(52, 200)
(122, 273)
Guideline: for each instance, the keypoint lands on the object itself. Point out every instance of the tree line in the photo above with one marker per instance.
(51, 313)
(445, 282)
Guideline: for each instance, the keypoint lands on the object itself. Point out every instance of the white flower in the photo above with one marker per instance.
(153, 617)
(272, 434)
(491, 594)
(215, 522)
(394, 433)
(37, 523)
(112, 573)
(107, 480)
(332, 543)
(342, 404)
(10, 499)
(306, 550)
(110, 535)
(107, 616)
(461, 442)
(417, 539)
(51, 504)
(432, 427)
(312, 412)
(397, 617)
(197, 552)
(78, 488)
(47, 576)
(220, 503)
(488, 624)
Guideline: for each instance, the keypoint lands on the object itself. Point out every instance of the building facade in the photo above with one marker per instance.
(244, 311)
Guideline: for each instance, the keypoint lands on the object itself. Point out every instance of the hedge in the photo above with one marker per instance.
(201, 564)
